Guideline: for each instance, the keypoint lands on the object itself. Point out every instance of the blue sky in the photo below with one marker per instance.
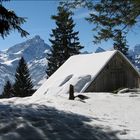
(39, 22)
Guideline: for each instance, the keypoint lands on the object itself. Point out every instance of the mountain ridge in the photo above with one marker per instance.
(34, 51)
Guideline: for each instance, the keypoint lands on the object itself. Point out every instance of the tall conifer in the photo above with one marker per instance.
(64, 40)
(23, 85)
(120, 43)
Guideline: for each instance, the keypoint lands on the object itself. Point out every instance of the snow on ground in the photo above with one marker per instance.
(48, 114)
(103, 116)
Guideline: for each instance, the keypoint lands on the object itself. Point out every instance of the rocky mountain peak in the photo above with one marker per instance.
(99, 49)
(34, 51)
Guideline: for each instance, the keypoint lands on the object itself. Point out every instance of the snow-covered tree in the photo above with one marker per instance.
(64, 40)
(23, 85)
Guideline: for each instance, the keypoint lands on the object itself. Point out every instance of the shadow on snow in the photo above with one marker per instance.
(39, 122)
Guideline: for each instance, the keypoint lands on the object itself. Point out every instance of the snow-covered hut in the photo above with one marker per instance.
(96, 72)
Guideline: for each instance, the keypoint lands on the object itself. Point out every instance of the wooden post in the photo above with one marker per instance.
(71, 92)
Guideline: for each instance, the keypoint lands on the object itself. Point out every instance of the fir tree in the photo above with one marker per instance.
(64, 40)
(23, 85)
(120, 43)
(7, 91)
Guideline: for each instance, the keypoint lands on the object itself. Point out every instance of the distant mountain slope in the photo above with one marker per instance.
(34, 51)
(135, 55)
(99, 49)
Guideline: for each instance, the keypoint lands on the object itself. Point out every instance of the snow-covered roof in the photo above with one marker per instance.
(79, 70)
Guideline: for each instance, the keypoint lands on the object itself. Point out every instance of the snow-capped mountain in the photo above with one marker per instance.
(99, 49)
(135, 56)
(137, 49)
(34, 51)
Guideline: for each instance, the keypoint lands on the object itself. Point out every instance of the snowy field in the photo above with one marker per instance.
(102, 116)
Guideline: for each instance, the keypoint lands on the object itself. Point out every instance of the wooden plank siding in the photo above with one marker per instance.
(118, 73)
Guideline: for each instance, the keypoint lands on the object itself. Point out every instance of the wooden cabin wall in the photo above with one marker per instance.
(118, 73)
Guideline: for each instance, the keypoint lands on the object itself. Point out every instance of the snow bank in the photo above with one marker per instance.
(78, 70)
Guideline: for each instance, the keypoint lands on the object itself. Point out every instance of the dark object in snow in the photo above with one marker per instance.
(71, 92)
(82, 97)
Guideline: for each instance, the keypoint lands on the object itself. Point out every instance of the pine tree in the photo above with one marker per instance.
(23, 85)
(7, 91)
(120, 43)
(64, 40)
